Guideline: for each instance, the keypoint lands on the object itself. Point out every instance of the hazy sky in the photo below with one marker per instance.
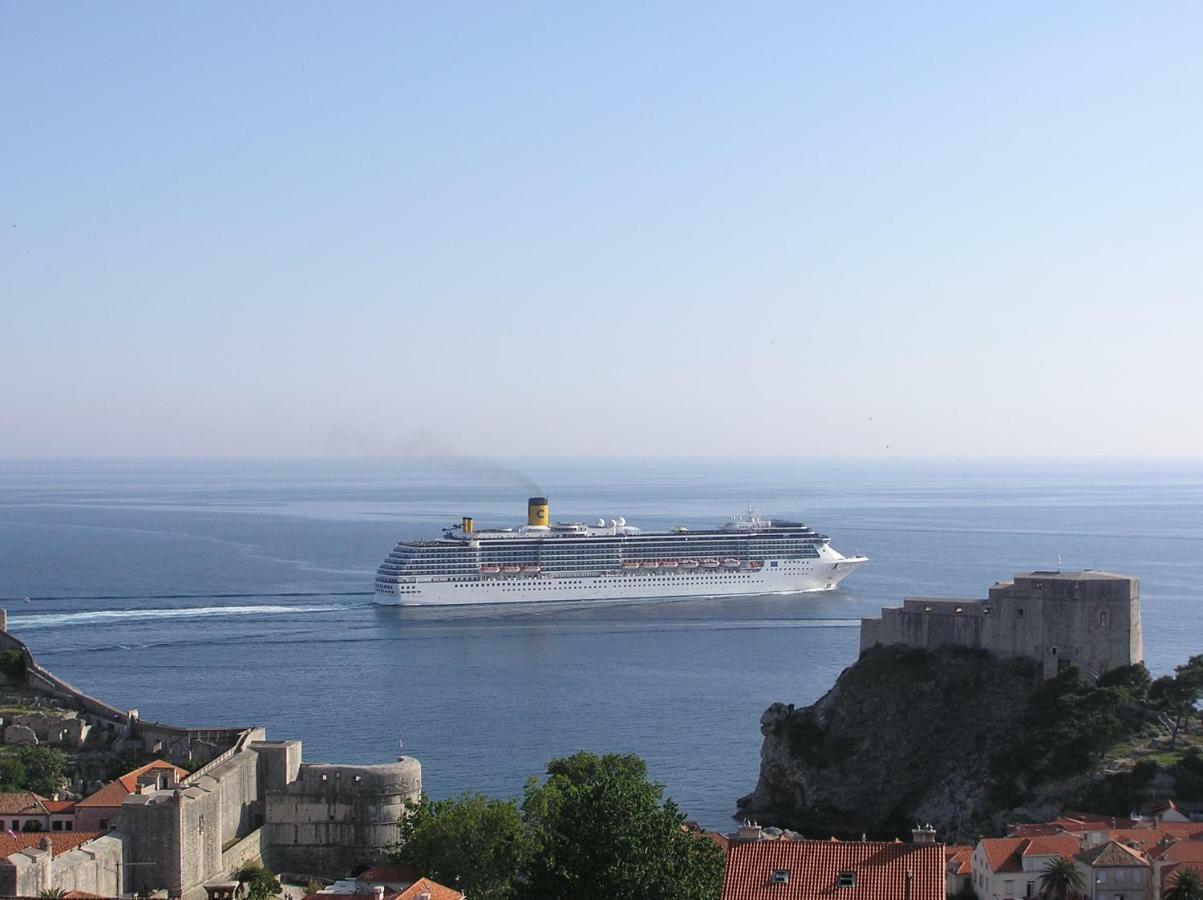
(914, 229)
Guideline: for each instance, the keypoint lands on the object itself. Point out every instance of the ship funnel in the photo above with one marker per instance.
(466, 525)
(537, 511)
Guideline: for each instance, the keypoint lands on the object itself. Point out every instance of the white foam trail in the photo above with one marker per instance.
(48, 620)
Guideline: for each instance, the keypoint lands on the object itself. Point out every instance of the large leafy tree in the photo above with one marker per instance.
(475, 844)
(1184, 884)
(1177, 695)
(1061, 880)
(600, 829)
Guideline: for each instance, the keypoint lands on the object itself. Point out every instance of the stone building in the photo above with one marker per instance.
(1089, 618)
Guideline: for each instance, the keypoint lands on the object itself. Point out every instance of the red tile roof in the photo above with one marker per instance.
(1111, 855)
(22, 803)
(59, 806)
(426, 886)
(60, 841)
(814, 868)
(390, 875)
(959, 860)
(1007, 854)
(113, 793)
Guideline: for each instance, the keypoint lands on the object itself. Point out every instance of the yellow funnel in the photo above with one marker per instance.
(537, 511)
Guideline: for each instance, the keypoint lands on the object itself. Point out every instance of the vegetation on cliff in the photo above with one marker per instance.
(596, 828)
(968, 741)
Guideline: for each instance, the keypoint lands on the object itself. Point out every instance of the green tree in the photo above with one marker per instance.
(45, 769)
(600, 830)
(1184, 884)
(32, 825)
(52, 893)
(1177, 695)
(1061, 880)
(475, 844)
(12, 775)
(259, 881)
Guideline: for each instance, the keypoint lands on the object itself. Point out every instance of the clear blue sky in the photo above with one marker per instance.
(924, 229)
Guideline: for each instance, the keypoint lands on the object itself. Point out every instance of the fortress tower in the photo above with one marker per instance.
(1089, 618)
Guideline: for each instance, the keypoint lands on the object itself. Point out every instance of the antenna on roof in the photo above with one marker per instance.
(1058, 562)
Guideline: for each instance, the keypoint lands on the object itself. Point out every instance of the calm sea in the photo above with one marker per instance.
(231, 593)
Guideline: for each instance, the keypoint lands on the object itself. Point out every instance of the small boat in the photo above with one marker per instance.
(489, 570)
(730, 563)
(756, 566)
(650, 564)
(532, 570)
(710, 564)
(689, 564)
(668, 564)
(511, 570)
(630, 565)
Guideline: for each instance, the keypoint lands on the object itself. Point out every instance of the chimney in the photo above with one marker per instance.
(749, 831)
(923, 834)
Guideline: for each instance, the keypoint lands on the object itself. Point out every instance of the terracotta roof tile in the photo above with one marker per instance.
(1007, 854)
(426, 886)
(390, 875)
(814, 869)
(959, 860)
(22, 803)
(1111, 855)
(60, 841)
(113, 793)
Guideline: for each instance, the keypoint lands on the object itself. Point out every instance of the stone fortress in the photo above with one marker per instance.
(1090, 619)
(248, 799)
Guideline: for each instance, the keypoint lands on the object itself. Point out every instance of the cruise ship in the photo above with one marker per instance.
(570, 561)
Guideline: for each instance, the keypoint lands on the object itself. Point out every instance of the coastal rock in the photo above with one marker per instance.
(911, 735)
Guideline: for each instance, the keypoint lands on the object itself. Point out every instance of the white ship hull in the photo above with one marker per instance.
(786, 576)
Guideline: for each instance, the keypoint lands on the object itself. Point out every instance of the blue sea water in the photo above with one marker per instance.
(232, 593)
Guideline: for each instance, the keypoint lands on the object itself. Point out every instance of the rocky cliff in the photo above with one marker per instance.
(959, 739)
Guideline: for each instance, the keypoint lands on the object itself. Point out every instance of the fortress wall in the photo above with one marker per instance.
(1090, 618)
(279, 763)
(249, 849)
(94, 867)
(236, 782)
(201, 825)
(151, 824)
(333, 818)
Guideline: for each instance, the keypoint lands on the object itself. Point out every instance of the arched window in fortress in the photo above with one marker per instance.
(1104, 618)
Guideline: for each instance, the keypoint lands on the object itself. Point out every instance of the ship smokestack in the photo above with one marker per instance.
(466, 525)
(537, 511)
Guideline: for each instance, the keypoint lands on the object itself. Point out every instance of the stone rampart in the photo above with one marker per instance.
(249, 849)
(331, 819)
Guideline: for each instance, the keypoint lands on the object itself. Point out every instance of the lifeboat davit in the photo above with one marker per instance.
(689, 564)
(710, 564)
(730, 563)
(668, 564)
